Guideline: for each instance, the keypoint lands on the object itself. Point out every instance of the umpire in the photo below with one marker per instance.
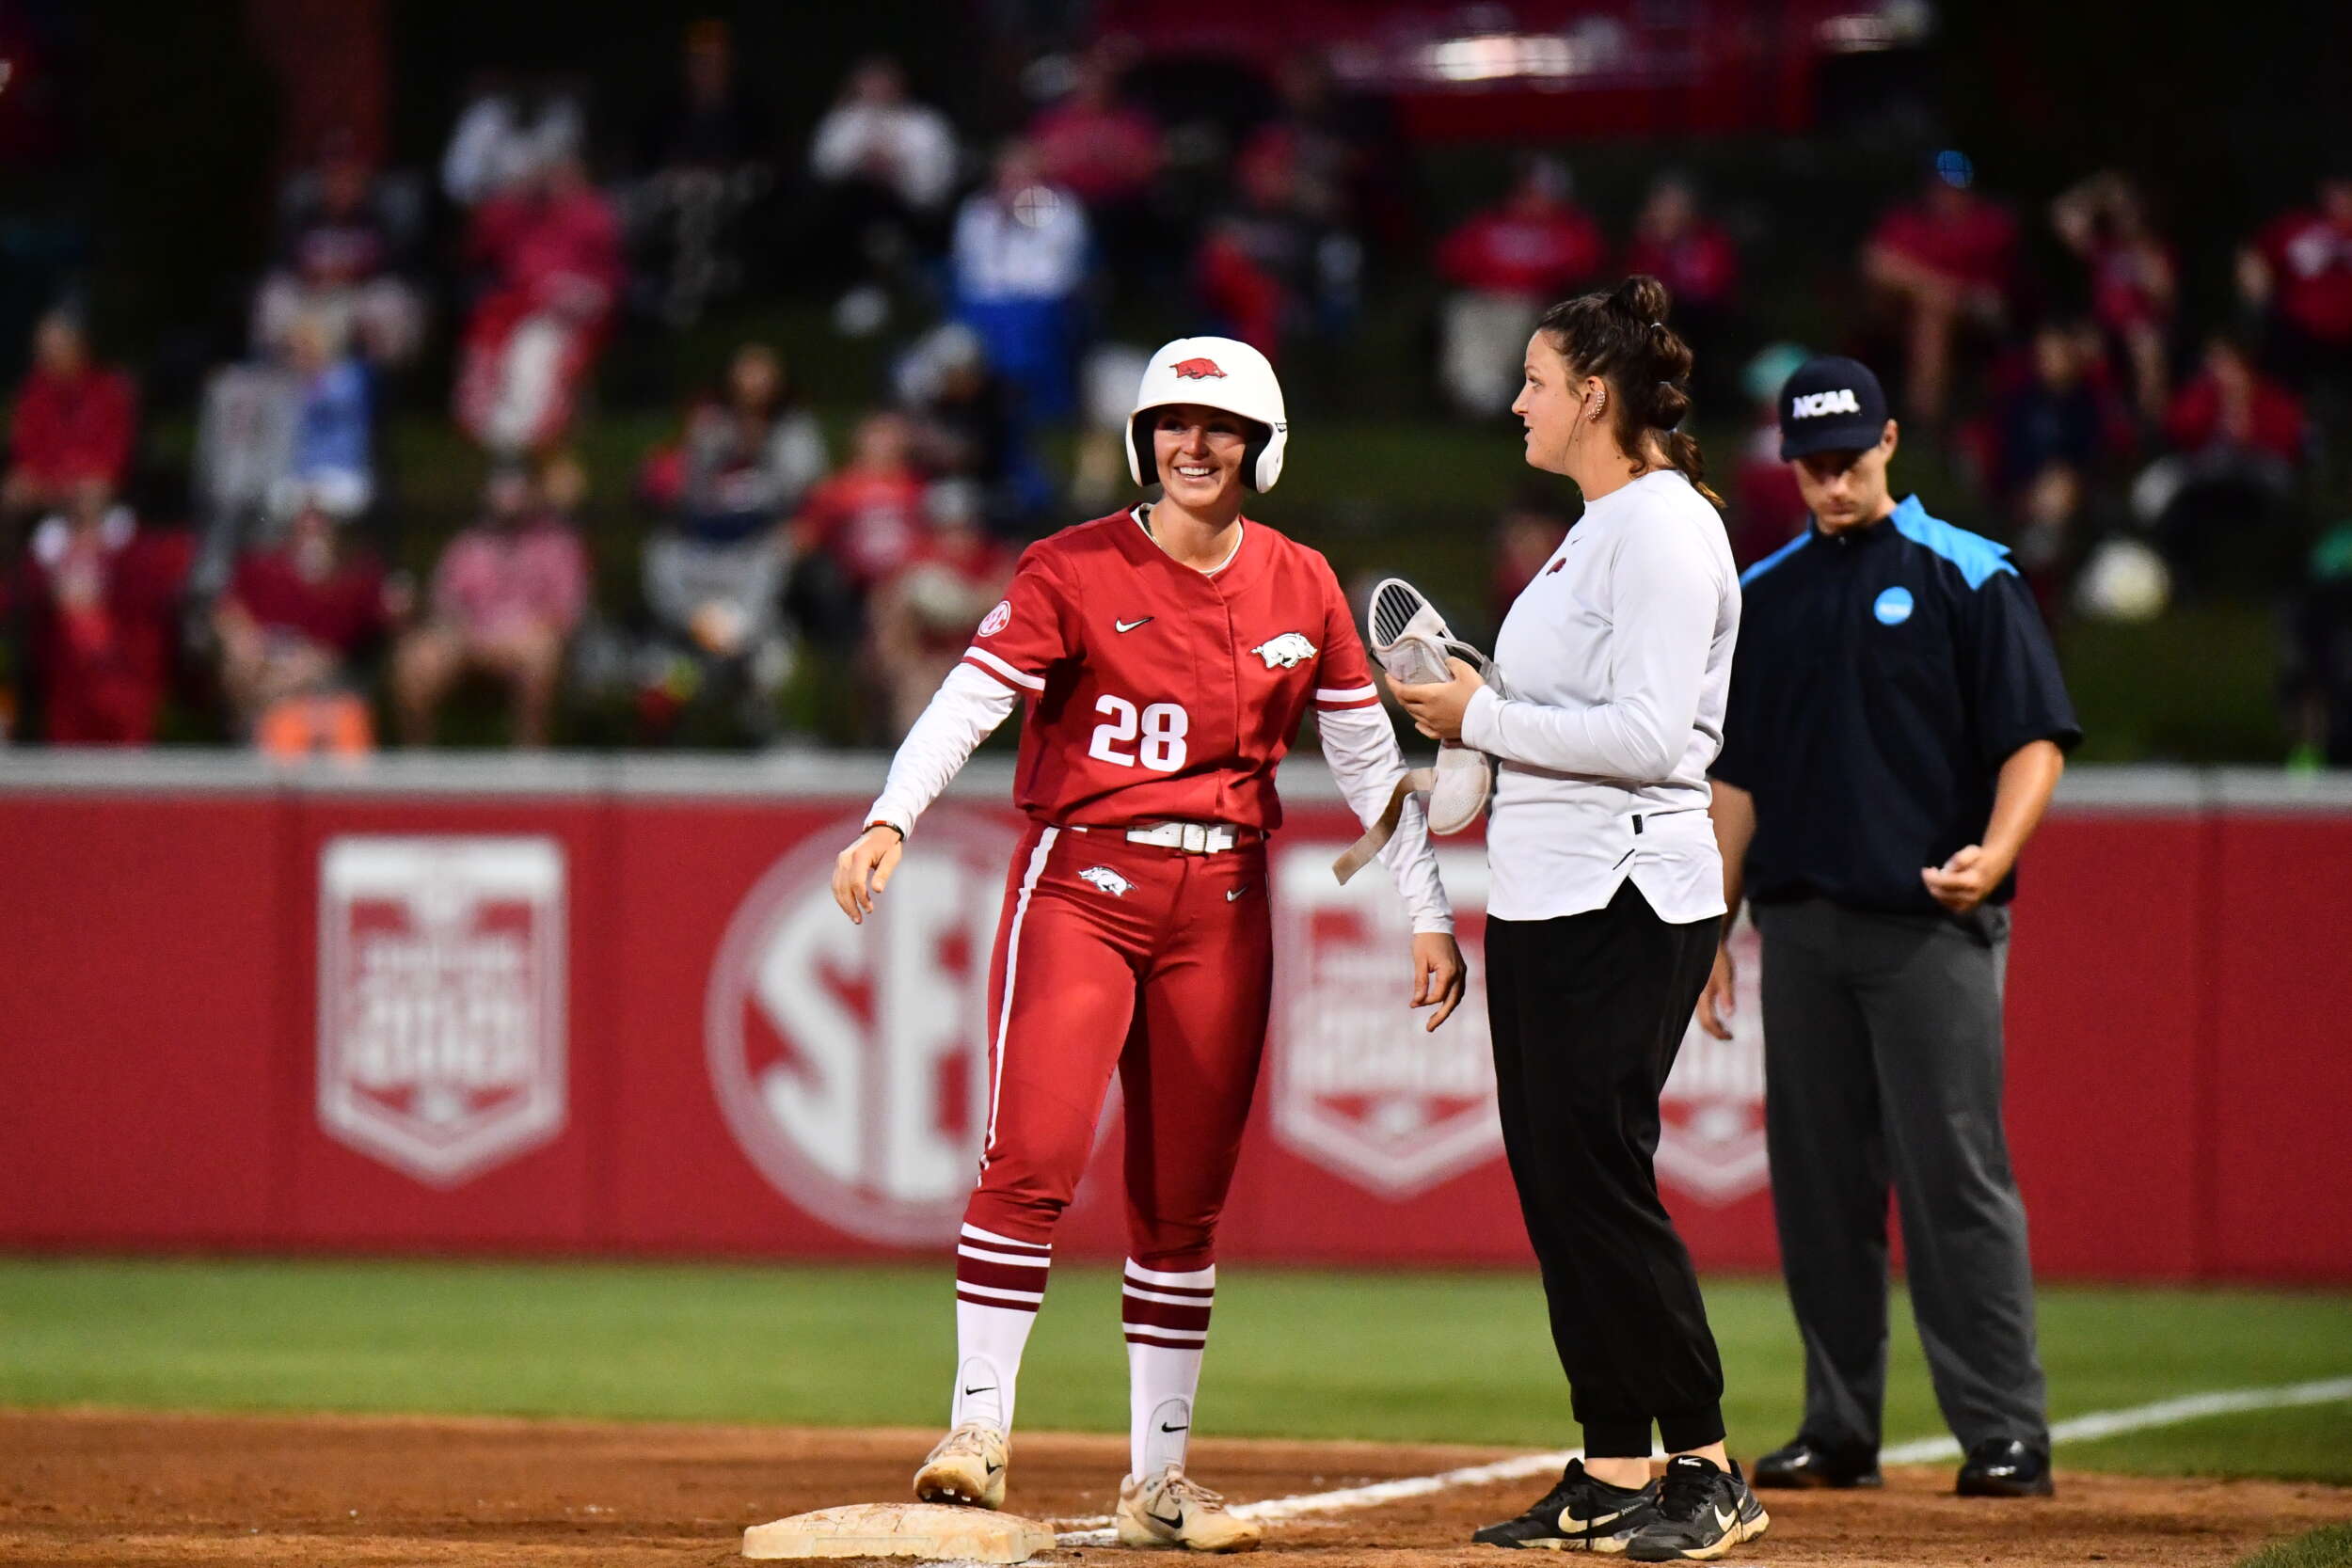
(1897, 723)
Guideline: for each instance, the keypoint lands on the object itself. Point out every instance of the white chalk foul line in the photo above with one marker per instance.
(2081, 1429)
(2164, 1412)
(1087, 1532)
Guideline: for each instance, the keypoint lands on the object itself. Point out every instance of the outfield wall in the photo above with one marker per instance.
(590, 1004)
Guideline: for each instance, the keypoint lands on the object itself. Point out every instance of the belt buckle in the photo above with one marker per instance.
(1195, 838)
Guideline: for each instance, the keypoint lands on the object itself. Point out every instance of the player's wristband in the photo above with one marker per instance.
(878, 822)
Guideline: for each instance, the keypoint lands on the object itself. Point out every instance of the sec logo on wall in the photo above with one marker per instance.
(440, 1000)
(850, 1061)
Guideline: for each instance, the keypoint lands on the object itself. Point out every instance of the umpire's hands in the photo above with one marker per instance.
(1967, 880)
(862, 870)
(1438, 976)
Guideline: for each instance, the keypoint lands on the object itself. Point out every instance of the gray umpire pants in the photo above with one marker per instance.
(1882, 1059)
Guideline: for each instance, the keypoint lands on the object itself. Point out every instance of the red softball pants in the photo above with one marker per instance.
(1154, 961)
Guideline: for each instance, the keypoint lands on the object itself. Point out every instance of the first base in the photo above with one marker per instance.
(902, 1529)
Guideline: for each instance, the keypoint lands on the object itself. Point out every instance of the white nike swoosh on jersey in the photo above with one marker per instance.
(1236, 893)
(1129, 626)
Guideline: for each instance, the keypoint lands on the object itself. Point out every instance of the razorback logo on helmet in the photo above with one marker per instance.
(997, 619)
(1197, 370)
(1286, 650)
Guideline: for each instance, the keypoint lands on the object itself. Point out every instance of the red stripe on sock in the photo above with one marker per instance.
(1202, 1291)
(1163, 1314)
(1135, 1338)
(1002, 1276)
(1028, 1306)
(1030, 1250)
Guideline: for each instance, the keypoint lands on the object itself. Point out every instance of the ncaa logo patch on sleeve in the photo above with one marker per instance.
(998, 619)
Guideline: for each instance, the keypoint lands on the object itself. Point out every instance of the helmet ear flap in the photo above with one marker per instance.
(1253, 454)
(1144, 466)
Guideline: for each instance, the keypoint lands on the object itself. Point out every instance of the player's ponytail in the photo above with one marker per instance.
(1623, 338)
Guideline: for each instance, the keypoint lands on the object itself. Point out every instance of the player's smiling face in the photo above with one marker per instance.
(1200, 453)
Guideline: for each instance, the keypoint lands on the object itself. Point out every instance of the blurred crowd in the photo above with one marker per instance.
(2131, 450)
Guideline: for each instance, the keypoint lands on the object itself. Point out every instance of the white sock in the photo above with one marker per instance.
(999, 1284)
(1167, 1320)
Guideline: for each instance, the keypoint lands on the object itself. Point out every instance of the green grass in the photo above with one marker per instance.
(2329, 1546)
(1457, 1357)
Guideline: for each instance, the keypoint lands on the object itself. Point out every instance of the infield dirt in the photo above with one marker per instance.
(106, 1487)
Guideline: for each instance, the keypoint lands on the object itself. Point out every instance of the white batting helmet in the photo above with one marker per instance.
(1216, 372)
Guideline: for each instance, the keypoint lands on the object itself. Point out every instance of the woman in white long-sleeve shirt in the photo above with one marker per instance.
(1607, 893)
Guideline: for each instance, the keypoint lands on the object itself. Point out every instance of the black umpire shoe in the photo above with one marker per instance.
(1580, 1514)
(1703, 1511)
(1803, 1461)
(2005, 1467)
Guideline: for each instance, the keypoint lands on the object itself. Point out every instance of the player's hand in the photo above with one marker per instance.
(1436, 708)
(1720, 999)
(862, 870)
(1965, 880)
(1438, 976)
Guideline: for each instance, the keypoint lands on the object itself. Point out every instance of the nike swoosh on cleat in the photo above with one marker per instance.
(993, 1467)
(1130, 625)
(1177, 1523)
(1725, 1521)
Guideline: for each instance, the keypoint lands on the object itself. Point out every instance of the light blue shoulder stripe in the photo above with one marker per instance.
(1977, 557)
(1775, 559)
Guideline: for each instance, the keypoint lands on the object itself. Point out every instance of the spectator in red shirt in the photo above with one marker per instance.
(1525, 537)
(506, 597)
(296, 620)
(857, 528)
(923, 613)
(74, 422)
(2133, 278)
(1509, 263)
(2238, 439)
(553, 250)
(1769, 508)
(102, 599)
(1107, 152)
(1676, 243)
(2299, 270)
(1944, 262)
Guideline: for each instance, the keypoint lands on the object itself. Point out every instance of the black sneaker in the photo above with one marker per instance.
(1580, 1514)
(1703, 1513)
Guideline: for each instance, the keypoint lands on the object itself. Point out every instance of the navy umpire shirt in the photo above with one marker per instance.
(1882, 678)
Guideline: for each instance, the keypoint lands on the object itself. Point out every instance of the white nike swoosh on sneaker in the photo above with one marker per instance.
(1725, 1521)
(1130, 625)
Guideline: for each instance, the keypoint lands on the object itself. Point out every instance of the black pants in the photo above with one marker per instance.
(1588, 1011)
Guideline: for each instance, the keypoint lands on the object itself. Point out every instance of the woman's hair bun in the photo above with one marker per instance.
(1644, 298)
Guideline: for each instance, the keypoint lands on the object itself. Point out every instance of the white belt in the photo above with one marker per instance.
(1193, 838)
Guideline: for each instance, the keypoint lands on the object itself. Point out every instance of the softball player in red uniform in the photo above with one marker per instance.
(1167, 653)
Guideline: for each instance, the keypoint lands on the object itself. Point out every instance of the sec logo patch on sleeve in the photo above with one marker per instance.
(998, 619)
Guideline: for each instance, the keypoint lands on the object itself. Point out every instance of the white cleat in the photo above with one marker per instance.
(967, 1467)
(1172, 1510)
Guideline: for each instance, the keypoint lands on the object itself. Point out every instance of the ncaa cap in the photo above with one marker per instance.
(1832, 404)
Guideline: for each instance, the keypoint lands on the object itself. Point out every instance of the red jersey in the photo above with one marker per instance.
(1511, 251)
(1156, 691)
(2312, 258)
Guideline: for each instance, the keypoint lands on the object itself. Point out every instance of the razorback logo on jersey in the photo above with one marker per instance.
(1197, 370)
(1286, 650)
(997, 619)
(1108, 881)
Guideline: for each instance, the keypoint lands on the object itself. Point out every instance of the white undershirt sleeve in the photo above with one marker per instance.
(1360, 747)
(963, 712)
